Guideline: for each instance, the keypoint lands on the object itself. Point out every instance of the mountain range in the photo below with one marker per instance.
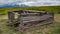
(12, 5)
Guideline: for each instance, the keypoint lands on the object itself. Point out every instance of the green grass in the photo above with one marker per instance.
(42, 8)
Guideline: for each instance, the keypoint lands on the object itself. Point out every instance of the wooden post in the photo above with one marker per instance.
(11, 16)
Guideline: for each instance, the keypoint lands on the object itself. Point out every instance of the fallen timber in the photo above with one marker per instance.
(27, 19)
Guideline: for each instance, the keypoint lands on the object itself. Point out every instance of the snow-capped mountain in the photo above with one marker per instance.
(24, 3)
(12, 5)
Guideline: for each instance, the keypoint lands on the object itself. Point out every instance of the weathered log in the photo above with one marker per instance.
(28, 19)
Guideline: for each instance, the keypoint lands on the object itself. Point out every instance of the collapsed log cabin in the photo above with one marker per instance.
(27, 19)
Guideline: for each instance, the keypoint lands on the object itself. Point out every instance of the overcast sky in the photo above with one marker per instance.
(31, 2)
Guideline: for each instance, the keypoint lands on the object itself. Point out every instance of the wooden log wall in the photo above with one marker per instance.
(28, 20)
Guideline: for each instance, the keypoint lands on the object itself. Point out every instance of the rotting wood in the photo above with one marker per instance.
(30, 19)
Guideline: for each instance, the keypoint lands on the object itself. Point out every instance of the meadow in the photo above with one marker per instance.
(47, 29)
(54, 9)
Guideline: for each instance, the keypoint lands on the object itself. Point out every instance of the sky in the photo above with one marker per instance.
(31, 2)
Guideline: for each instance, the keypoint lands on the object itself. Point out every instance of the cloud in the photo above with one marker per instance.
(31, 2)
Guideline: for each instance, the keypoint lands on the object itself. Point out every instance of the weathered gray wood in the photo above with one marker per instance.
(11, 16)
(28, 19)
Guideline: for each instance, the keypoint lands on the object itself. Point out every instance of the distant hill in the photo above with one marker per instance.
(12, 6)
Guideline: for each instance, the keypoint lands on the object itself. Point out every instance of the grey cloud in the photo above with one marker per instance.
(31, 2)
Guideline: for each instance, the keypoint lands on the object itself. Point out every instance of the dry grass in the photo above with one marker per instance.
(51, 29)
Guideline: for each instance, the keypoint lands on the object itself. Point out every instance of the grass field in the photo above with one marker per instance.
(43, 8)
(51, 29)
(47, 29)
